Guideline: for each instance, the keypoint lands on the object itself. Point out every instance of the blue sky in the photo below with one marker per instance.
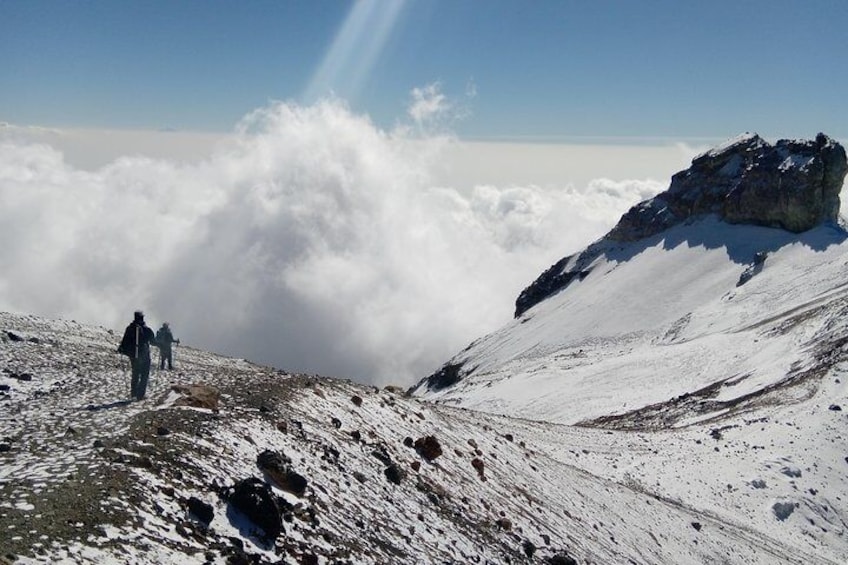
(515, 69)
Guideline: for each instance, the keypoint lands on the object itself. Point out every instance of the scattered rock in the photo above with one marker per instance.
(754, 269)
(782, 510)
(697, 526)
(394, 474)
(472, 443)
(416, 466)
(254, 499)
(355, 435)
(200, 510)
(336, 423)
(835, 408)
(477, 463)
(277, 467)
(197, 396)
(283, 426)
(359, 476)
(5, 447)
(13, 336)
(380, 453)
(408, 441)
(4, 388)
(758, 483)
(504, 523)
(509, 437)
(529, 548)
(357, 400)
(794, 472)
(162, 431)
(561, 559)
(428, 447)
(98, 444)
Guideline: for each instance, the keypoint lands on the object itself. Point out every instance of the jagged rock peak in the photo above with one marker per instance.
(792, 185)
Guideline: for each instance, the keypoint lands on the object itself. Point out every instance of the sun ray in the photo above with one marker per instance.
(354, 51)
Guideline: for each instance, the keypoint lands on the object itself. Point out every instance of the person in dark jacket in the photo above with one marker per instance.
(165, 338)
(136, 344)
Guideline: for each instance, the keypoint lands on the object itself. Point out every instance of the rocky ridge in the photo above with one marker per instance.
(229, 462)
(792, 185)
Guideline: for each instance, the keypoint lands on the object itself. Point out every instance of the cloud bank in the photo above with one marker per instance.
(311, 240)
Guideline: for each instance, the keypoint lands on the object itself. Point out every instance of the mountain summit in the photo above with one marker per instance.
(793, 185)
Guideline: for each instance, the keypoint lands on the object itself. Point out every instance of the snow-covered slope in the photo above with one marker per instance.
(664, 317)
(718, 354)
(86, 477)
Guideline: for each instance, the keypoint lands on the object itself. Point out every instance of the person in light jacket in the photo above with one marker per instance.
(165, 338)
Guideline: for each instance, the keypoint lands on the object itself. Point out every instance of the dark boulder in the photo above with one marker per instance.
(381, 453)
(561, 559)
(479, 466)
(254, 499)
(428, 447)
(277, 468)
(200, 510)
(394, 474)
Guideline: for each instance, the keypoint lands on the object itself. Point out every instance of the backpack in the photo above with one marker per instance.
(128, 342)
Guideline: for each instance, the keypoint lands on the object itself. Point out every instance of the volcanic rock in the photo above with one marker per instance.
(197, 396)
(428, 447)
(277, 468)
(254, 499)
(791, 185)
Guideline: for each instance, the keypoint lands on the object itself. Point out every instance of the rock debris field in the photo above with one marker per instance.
(229, 462)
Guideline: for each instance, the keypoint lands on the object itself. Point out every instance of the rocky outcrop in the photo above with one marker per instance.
(792, 185)
(255, 500)
(277, 468)
(197, 396)
(448, 375)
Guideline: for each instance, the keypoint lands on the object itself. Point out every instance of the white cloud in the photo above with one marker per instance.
(311, 240)
(428, 104)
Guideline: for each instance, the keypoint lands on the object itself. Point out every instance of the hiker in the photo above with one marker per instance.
(136, 345)
(165, 338)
